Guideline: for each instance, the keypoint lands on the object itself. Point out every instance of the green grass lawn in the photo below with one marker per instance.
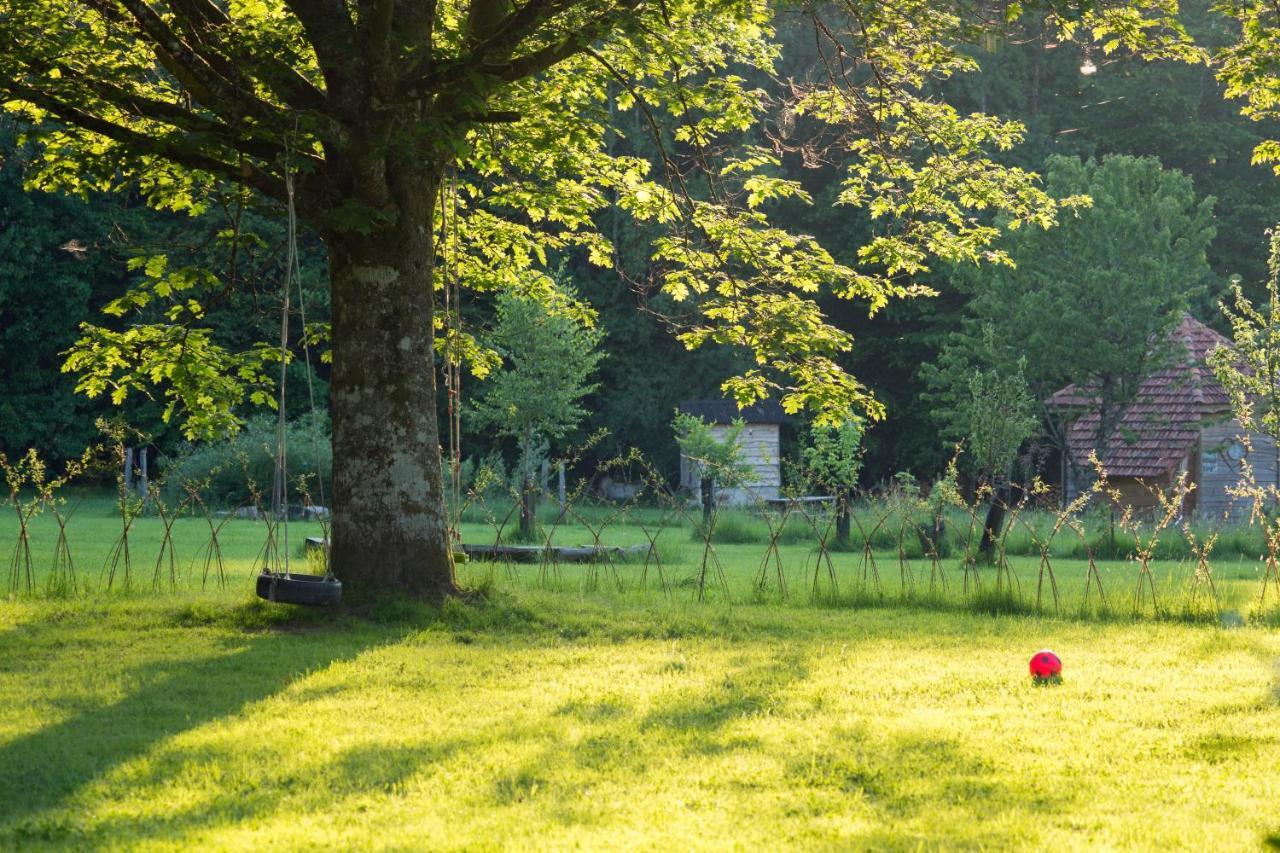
(557, 713)
(733, 571)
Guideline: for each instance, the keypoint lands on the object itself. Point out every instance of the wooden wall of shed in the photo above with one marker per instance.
(1139, 492)
(762, 448)
(1212, 470)
(1135, 492)
(1216, 471)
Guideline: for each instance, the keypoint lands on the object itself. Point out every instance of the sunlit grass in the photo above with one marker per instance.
(573, 707)
(548, 720)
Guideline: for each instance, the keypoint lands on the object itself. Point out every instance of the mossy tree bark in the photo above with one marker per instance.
(390, 525)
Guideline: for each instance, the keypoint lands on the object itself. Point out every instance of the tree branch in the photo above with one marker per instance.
(491, 55)
(374, 21)
(231, 99)
(170, 114)
(571, 45)
(414, 25)
(202, 18)
(332, 34)
(244, 173)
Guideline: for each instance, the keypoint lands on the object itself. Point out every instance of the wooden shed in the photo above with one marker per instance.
(1179, 421)
(761, 442)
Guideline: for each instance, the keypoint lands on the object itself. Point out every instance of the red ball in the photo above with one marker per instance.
(1045, 664)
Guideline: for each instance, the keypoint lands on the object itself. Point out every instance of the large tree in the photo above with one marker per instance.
(384, 123)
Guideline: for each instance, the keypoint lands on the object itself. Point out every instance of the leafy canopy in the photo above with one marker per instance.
(327, 104)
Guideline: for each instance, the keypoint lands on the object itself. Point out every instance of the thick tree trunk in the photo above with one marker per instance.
(390, 527)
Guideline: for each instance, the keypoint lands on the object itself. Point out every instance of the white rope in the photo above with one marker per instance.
(280, 488)
(311, 390)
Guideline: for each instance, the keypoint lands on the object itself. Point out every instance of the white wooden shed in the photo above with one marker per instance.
(761, 442)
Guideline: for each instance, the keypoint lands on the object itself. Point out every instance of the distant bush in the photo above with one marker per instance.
(224, 470)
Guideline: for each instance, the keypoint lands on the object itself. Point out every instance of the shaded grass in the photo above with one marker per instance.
(536, 719)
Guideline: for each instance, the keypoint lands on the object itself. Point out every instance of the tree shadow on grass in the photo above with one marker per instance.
(742, 692)
(917, 786)
(44, 770)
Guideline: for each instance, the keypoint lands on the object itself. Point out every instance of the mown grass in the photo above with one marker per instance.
(544, 720)
(554, 713)
(735, 571)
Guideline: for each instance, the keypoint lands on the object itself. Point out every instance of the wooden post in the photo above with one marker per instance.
(560, 494)
(144, 487)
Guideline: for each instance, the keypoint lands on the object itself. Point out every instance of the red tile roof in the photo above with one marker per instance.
(1164, 421)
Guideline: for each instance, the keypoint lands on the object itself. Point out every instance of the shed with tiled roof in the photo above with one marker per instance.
(1180, 420)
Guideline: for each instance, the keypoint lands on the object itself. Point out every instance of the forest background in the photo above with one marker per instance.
(62, 259)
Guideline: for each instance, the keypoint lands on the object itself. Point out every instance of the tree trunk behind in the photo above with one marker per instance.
(390, 527)
(528, 507)
(708, 486)
(842, 516)
(995, 521)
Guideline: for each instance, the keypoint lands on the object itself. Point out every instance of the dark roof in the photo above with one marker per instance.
(1165, 419)
(726, 411)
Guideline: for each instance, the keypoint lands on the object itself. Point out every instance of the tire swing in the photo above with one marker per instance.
(276, 583)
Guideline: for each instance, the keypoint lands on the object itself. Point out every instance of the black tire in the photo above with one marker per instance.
(310, 590)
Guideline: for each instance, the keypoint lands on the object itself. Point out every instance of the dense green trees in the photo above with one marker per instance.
(384, 123)
(1176, 112)
(645, 144)
(1091, 302)
(64, 258)
(44, 291)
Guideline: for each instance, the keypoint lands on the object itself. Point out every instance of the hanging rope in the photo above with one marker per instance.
(306, 343)
(276, 583)
(311, 389)
(280, 484)
(453, 331)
